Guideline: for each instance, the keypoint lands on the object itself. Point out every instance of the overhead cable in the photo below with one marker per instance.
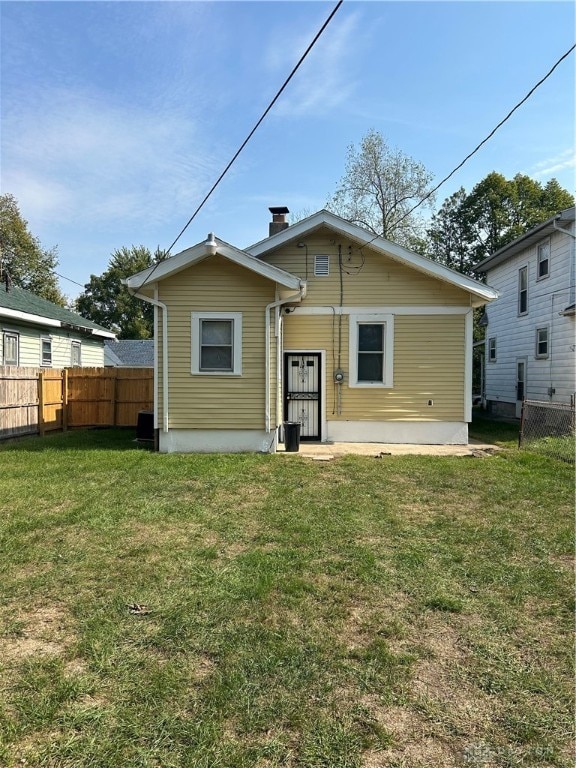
(252, 132)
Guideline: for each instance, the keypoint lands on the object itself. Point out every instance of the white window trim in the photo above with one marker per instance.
(538, 259)
(537, 344)
(16, 335)
(79, 345)
(490, 358)
(236, 318)
(42, 363)
(388, 322)
(520, 270)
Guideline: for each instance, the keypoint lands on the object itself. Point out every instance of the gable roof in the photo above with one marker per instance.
(211, 247)
(526, 240)
(129, 353)
(364, 237)
(19, 304)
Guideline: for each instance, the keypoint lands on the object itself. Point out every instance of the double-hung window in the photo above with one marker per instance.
(492, 349)
(46, 352)
(217, 343)
(523, 291)
(542, 342)
(76, 354)
(10, 344)
(543, 268)
(371, 350)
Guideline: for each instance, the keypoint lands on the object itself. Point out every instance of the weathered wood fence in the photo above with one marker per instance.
(38, 400)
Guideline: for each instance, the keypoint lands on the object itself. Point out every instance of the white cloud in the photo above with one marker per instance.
(72, 155)
(324, 80)
(560, 162)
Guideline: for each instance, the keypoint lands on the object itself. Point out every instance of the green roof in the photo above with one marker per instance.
(20, 300)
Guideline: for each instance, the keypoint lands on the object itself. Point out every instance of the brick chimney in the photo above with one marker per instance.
(278, 222)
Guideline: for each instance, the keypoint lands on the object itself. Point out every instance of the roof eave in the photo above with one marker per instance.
(394, 251)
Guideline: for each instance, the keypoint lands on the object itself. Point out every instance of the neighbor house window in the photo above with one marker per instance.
(523, 291)
(371, 350)
(543, 260)
(492, 349)
(11, 344)
(321, 265)
(76, 354)
(541, 342)
(217, 343)
(46, 353)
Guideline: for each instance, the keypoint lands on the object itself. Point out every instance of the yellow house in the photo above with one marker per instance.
(356, 338)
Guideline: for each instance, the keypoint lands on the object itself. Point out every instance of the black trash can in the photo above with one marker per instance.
(292, 436)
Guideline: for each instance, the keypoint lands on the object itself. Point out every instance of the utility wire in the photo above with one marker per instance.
(500, 124)
(252, 132)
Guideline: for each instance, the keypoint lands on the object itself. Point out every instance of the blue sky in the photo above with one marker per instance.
(118, 117)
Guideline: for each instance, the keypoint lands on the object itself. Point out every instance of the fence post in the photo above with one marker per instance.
(520, 433)
(65, 399)
(113, 402)
(41, 403)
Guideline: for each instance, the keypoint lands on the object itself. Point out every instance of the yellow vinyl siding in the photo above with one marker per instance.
(428, 365)
(216, 401)
(370, 279)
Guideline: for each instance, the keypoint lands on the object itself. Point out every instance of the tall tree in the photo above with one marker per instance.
(107, 302)
(21, 256)
(469, 227)
(379, 187)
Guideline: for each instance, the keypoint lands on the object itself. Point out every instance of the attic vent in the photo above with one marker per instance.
(321, 265)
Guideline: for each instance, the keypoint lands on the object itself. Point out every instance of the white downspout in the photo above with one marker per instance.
(164, 309)
(273, 304)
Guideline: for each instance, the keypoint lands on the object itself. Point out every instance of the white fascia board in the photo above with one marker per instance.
(260, 267)
(396, 252)
(15, 314)
(200, 252)
(26, 317)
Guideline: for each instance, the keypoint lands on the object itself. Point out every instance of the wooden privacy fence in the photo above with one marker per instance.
(38, 400)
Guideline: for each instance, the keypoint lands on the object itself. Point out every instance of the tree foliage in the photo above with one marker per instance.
(22, 257)
(469, 227)
(379, 187)
(106, 300)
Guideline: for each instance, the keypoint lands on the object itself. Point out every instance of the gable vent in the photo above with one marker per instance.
(321, 265)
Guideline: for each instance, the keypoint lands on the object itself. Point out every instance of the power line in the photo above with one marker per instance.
(500, 124)
(252, 132)
(69, 279)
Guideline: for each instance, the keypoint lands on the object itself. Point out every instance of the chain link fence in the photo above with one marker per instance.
(548, 428)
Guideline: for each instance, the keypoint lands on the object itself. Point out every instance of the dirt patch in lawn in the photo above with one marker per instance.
(45, 631)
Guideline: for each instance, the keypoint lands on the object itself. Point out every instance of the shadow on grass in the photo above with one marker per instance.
(95, 439)
(497, 431)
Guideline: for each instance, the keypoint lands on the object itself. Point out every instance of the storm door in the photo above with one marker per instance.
(302, 398)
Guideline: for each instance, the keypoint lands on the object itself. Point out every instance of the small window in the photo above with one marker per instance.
(321, 265)
(11, 344)
(46, 356)
(543, 260)
(371, 350)
(541, 342)
(76, 354)
(217, 343)
(492, 349)
(523, 291)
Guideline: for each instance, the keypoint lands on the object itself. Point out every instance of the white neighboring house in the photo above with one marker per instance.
(530, 333)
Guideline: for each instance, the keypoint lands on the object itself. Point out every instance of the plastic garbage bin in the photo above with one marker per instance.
(292, 436)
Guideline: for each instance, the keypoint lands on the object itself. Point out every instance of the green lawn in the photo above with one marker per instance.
(403, 611)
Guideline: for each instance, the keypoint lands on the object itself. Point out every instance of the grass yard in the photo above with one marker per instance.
(242, 611)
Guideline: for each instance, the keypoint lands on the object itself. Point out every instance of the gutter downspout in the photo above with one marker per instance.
(164, 309)
(274, 305)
